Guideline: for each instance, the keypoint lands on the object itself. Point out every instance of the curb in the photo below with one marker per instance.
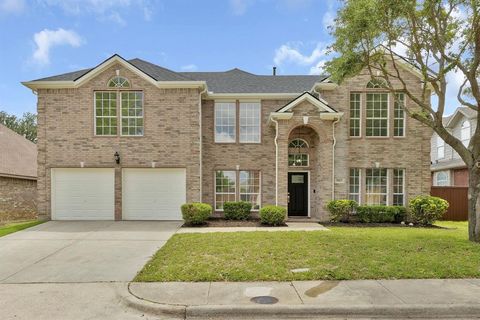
(433, 311)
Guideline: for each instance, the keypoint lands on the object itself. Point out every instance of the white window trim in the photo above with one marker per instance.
(359, 184)
(302, 166)
(447, 172)
(440, 146)
(403, 184)
(360, 126)
(95, 114)
(215, 188)
(119, 97)
(404, 116)
(215, 121)
(387, 202)
(240, 122)
(388, 115)
(259, 189)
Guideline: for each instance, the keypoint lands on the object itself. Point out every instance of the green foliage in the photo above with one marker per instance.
(381, 214)
(425, 210)
(196, 213)
(341, 210)
(273, 215)
(25, 126)
(239, 210)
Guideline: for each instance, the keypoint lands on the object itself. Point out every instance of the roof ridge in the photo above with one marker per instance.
(157, 66)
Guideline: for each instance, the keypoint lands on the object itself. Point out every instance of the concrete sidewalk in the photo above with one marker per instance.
(311, 299)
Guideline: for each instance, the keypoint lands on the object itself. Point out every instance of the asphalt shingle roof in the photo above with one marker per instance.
(18, 156)
(231, 81)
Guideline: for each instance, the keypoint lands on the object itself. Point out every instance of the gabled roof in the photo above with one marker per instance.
(459, 112)
(18, 156)
(320, 103)
(230, 81)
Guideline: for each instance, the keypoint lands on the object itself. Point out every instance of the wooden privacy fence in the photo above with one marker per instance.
(457, 197)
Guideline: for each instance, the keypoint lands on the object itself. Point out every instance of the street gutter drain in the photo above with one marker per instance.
(264, 300)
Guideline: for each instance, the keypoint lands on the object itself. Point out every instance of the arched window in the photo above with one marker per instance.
(298, 143)
(118, 82)
(465, 132)
(298, 155)
(377, 83)
(441, 178)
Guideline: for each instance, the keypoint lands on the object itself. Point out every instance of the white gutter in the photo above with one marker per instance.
(201, 140)
(276, 160)
(333, 157)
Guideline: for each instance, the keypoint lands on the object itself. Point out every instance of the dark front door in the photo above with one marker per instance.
(298, 193)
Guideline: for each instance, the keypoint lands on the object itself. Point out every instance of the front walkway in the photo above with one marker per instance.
(291, 226)
(81, 251)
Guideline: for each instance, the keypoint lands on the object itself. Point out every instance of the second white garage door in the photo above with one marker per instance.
(153, 194)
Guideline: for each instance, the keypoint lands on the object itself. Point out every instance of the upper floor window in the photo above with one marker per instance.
(465, 132)
(106, 114)
(440, 148)
(225, 122)
(298, 153)
(377, 115)
(250, 122)
(118, 82)
(132, 113)
(399, 115)
(355, 114)
(377, 83)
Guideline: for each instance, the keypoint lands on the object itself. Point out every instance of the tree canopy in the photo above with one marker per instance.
(25, 126)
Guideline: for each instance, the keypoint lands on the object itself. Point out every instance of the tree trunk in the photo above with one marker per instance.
(473, 204)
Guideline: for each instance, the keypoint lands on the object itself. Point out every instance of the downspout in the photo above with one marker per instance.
(201, 140)
(333, 157)
(276, 160)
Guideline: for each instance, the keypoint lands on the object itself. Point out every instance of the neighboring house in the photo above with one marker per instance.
(18, 176)
(130, 140)
(448, 169)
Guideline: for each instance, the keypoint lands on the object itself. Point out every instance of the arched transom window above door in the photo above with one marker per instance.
(298, 153)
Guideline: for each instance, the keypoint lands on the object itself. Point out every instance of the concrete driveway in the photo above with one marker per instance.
(81, 251)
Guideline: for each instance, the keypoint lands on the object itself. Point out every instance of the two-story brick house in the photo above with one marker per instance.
(132, 140)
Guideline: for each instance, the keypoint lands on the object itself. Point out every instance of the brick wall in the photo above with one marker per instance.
(66, 134)
(17, 199)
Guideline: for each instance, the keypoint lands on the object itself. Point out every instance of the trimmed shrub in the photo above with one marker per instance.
(341, 210)
(425, 210)
(239, 210)
(196, 213)
(400, 213)
(273, 215)
(380, 214)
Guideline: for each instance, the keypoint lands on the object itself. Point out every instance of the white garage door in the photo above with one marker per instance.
(153, 194)
(83, 194)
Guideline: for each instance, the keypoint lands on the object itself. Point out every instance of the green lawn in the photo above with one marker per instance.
(14, 227)
(342, 253)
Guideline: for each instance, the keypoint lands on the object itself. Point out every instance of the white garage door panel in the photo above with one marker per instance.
(83, 194)
(153, 194)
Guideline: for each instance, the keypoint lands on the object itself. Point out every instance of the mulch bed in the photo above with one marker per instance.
(219, 222)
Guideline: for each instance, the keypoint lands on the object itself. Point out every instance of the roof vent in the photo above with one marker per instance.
(274, 71)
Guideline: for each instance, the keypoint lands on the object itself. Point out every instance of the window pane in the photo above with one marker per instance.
(399, 115)
(355, 114)
(398, 187)
(250, 122)
(132, 113)
(225, 187)
(225, 121)
(377, 115)
(376, 186)
(298, 160)
(354, 185)
(250, 188)
(105, 113)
